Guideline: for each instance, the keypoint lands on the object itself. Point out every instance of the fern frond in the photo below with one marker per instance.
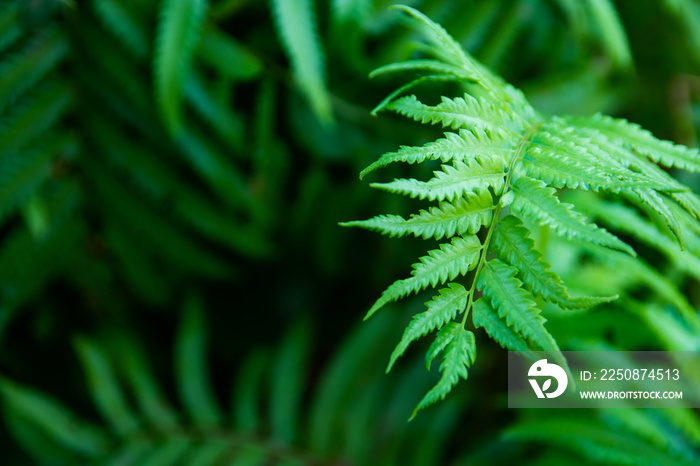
(34, 115)
(232, 59)
(463, 112)
(117, 18)
(288, 383)
(521, 158)
(624, 158)
(178, 32)
(443, 308)
(597, 442)
(640, 141)
(514, 246)
(453, 181)
(657, 204)
(10, 24)
(449, 50)
(132, 361)
(194, 381)
(459, 352)
(562, 159)
(23, 69)
(611, 32)
(273, 382)
(227, 124)
(107, 394)
(23, 172)
(463, 146)
(514, 303)
(485, 317)
(534, 200)
(465, 215)
(406, 87)
(51, 419)
(434, 66)
(296, 26)
(626, 220)
(151, 229)
(440, 265)
(345, 11)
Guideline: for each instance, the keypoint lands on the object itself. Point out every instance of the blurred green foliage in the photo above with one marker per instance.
(175, 289)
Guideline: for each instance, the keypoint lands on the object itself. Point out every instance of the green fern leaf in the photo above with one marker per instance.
(52, 419)
(10, 24)
(464, 146)
(514, 303)
(34, 115)
(465, 215)
(105, 389)
(459, 352)
(443, 308)
(597, 442)
(640, 141)
(22, 173)
(22, 70)
(623, 157)
(248, 391)
(611, 32)
(423, 65)
(415, 83)
(288, 383)
(657, 204)
(463, 112)
(226, 123)
(232, 59)
(512, 243)
(506, 147)
(116, 17)
(133, 363)
(192, 371)
(454, 181)
(449, 50)
(689, 201)
(485, 317)
(533, 199)
(440, 265)
(563, 159)
(178, 32)
(296, 26)
(625, 219)
(345, 11)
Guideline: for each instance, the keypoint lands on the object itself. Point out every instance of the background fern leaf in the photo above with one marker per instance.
(296, 26)
(51, 418)
(612, 34)
(105, 389)
(25, 68)
(117, 18)
(178, 33)
(191, 368)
